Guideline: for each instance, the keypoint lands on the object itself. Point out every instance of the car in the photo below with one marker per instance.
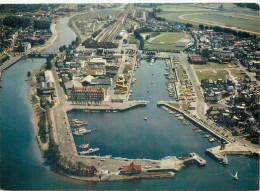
(245, 145)
(102, 159)
(93, 158)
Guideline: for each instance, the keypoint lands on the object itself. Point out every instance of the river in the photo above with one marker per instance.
(124, 134)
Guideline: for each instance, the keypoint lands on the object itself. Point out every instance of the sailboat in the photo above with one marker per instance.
(225, 160)
(235, 176)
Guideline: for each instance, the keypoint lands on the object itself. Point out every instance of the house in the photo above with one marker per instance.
(46, 88)
(82, 95)
(196, 59)
(132, 169)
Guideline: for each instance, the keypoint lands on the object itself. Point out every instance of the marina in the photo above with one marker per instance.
(172, 143)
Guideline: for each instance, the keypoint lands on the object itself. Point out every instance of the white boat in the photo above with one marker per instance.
(150, 97)
(145, 118)
(225, 160)
(235, 176)
(152, 82)
(89, 151)
(83, 146)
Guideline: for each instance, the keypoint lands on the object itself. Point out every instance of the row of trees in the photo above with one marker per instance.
(140, 38)
(40, 24)
(248, 5)
(16, 22)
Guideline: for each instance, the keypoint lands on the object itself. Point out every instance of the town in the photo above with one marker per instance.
(212, 74)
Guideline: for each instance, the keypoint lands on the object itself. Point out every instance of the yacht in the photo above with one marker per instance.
(145, 118)
(235, 176)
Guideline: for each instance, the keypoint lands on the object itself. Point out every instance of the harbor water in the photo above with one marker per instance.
(124, 134)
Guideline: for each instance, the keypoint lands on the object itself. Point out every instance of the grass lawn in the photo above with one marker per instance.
(179, 105)
(210, 65)
(164, 42)
(181, 74)
(238, 73)
(167, 38)
(220, 74)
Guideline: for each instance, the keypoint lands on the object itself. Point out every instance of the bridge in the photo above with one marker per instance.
(41, 55)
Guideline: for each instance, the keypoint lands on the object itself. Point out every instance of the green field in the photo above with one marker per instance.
(168, 38)
(221, 74)
(210, 14)
(164, 42)
(238, 73)
(211, 65)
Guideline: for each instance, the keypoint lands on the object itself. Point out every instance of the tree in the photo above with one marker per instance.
(29, 74)
(125, 41)
(201, 27)
(48, 64)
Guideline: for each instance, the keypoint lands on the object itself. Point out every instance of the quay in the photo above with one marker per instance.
(194, 158)
(219, 152)
(107, 106)
(8, 63)
(196, 121)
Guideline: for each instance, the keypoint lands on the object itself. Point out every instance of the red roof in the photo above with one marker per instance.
(131, 167)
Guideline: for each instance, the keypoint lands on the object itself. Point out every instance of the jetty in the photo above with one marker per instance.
(8, 63)
(107, 106)
(199, 123)
(219, 152)
(194, 159)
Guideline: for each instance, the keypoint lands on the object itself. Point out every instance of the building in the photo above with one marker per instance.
(46, 88)
(196, 59)
(132, 169)
(70, 85)
(83, 95)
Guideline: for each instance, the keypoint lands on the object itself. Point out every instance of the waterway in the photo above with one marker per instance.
(124, 134)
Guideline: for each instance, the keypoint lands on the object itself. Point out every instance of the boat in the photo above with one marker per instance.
(145, 118)
(82, 131)
(235, 176)
(151, 64)
(89, 151)
(225, 160)
(177, 115)
(148, 90)
(152, 82)
(83, 146)
(211, 139)
(150, 97)
(194, 128)
(202, 133)
(152, 60)
(73, 120)
(147, 85)
(199, 131)
(152, 74)
(206, 136)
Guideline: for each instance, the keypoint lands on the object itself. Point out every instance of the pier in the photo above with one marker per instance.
(108, 106)
(194, 159)
(8, 63)
(197, 122)
(219, 152)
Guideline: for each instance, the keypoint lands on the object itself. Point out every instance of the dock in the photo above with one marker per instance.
(197, 122)
(8, 63)
(219, 152)
(194, 159)
(107, 106)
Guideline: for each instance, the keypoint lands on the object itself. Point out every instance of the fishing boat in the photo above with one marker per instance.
(73, 120)
(194, 128)
(89, 151)
(199, 131)
(145, 118)
(225, 160)
(235, 176)
(83, 146)
(148, 90)
(206, 136)
(150, 97)
(211, 139)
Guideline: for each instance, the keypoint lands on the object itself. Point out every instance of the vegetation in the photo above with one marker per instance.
(210, 65)
(96, 33)
(34, 100)
(16, 22)
(41, 24)
(42, 127)
(140, 38)
(248, 5)
(5, 59)
(13, 8)
(220, 74)
(48, 66)
(167, 38)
